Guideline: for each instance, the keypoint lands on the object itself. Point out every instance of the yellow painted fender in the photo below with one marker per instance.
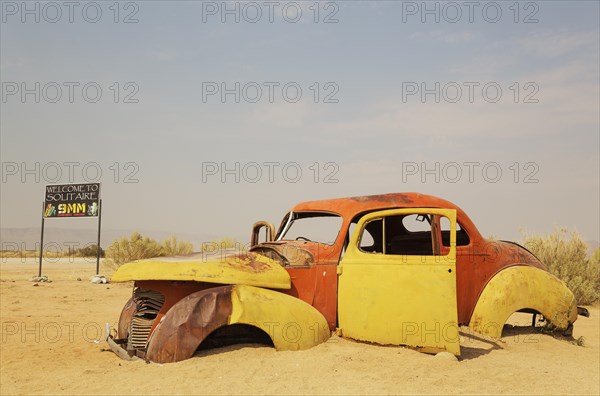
(520, 287)
(291, 323)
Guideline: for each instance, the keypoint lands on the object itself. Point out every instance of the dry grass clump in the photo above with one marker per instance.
(566, 256)
(138, 247)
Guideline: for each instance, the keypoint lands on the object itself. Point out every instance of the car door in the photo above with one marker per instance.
(396, 290)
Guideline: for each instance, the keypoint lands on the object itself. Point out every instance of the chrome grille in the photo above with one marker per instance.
(149, 303)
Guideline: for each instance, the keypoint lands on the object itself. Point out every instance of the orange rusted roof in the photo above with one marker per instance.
(354, 205)
(351, 206)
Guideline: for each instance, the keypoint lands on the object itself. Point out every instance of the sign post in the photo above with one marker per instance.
(72, 200)
(98, 241)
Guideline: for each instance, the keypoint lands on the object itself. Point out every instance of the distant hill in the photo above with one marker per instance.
(29, 238)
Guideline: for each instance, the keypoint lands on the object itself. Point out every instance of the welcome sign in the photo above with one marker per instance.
(72, 200)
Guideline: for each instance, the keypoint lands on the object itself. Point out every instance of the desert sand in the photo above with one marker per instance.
(49, 332)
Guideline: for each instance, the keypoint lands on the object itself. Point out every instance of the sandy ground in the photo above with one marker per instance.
(48, 332)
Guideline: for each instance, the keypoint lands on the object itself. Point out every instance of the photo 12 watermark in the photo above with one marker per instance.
(69, 171)
(469, 92)
(53, 252)
(69, 11)
(270, 11)
(269, 172)
(452, 12)
(69, 92)
(269, 92)
(470, 172)
(36, 332)
(52, 332)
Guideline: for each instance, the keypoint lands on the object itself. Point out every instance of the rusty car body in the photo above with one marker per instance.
(394, 269)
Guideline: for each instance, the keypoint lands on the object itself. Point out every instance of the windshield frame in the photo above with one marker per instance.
(292, 216)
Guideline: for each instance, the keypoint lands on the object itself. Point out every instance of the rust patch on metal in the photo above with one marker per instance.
(188, 323)
(388, 198)
(247, 262)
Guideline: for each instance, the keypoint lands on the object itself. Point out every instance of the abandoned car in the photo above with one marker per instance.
(394, 269)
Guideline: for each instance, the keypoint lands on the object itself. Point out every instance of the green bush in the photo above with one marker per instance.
(566, 256)
(137, 247)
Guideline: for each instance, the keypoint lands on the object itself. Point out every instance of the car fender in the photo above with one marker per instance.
(291, 323)
(522, 287)
(125, 318)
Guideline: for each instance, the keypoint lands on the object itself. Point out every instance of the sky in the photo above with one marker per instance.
(200, 118)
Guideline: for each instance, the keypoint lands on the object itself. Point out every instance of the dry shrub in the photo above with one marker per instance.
(137, 247)
(566, 256)
(173, 247)
(90, 251)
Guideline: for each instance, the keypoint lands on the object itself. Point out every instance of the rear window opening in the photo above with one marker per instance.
(462, 238)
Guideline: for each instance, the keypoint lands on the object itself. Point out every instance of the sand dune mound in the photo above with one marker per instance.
(49, 346)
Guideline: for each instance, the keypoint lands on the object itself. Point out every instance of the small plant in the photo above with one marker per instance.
(138, 247)
(547, 328)
(566, 256)
(90, 251)
(173, 247)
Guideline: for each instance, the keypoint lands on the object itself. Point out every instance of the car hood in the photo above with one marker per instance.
(240, 269)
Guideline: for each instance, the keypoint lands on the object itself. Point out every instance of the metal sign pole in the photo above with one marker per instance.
(98, 242)
(41, 242)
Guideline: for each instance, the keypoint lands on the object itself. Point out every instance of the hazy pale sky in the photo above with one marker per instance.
(203, 117)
